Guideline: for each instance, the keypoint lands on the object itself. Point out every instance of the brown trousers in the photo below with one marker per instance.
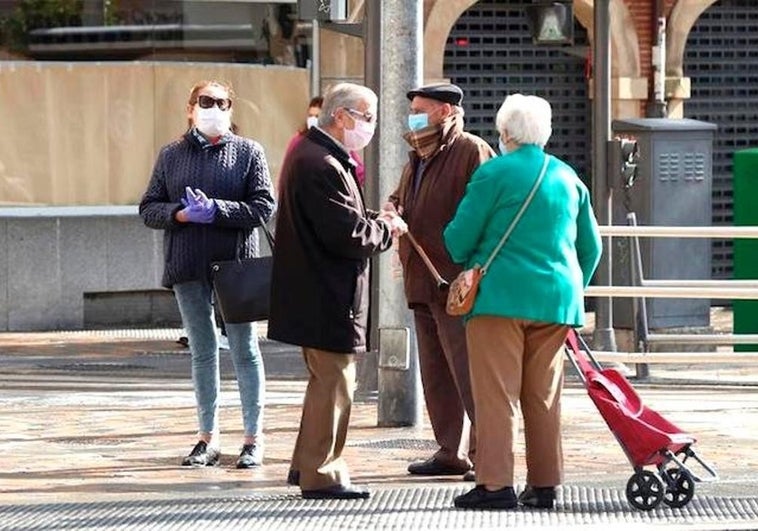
(444, 365)
(512, 361)
(323, 425)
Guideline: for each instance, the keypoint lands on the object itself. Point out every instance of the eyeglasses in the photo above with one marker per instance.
(206, 102)
(365, 116)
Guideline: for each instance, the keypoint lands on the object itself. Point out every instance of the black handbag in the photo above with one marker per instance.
(242, 286)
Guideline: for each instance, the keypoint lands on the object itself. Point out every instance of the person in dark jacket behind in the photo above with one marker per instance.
(208, 192)
(319, 292)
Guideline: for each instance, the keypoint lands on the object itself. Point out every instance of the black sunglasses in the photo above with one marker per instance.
(206, 102)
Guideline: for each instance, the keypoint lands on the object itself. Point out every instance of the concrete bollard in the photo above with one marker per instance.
(399, 380)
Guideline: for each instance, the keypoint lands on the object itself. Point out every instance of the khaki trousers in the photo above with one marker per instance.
(443, 361)
(323, 425)
(512, 361)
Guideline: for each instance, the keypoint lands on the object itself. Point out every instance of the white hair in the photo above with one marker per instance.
(525, 119)
(347, 96)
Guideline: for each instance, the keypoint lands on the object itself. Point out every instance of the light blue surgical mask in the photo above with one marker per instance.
(418, 121)
(501, 146)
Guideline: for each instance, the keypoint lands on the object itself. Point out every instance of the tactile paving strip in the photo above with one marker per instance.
(389, 508)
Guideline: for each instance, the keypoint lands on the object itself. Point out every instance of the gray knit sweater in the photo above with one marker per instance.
(234, 173)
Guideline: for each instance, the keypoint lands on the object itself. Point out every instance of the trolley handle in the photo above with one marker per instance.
(579, 354)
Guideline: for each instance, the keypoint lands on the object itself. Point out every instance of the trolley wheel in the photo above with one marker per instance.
(680, 487)
(644, 490)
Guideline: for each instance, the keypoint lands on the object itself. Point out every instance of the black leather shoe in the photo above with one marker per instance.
(337, 492)
(250, 456)
(481, 498)
(433, 467)
(470, 475)
(201, 455)
(538, 497)
(293, 478)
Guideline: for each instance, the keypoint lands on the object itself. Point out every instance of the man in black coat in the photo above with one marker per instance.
(319, 294)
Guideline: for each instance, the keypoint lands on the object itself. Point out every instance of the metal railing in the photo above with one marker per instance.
(681, 289)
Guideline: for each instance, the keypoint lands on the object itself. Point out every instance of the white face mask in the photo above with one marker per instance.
(501, 145)
(311, 121)
(359, 136)
(212, 122)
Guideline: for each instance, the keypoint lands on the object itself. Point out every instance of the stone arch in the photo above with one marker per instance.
(445, 13)
(683, 16)
(442, 17)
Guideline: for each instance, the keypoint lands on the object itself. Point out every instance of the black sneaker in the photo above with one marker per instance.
(481, 498)
(538, 497)
(201, 455)
(250, 456)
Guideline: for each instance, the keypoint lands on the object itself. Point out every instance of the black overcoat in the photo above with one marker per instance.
(324, 239)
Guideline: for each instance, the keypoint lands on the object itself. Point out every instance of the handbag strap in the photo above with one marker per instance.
(266, 231)
(516, 219)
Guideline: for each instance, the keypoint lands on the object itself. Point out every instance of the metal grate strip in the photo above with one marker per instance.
(427, 507)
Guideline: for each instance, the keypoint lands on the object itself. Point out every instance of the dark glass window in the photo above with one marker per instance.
(150, 30)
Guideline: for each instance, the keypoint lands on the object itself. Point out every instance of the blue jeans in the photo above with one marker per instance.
(194, 300)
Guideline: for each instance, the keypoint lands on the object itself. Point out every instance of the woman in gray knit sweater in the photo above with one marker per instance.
(209, 190)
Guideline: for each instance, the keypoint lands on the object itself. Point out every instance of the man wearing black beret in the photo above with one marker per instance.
(442, 159)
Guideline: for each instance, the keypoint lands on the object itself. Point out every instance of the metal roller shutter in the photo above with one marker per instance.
(490, 54)
(721, 59)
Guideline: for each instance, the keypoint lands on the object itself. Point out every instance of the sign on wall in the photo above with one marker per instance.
(322, 10)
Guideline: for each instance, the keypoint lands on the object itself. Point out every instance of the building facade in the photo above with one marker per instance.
(48, 60)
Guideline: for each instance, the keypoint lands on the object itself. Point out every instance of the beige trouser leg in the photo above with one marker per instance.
(323, 425)
(513, 360)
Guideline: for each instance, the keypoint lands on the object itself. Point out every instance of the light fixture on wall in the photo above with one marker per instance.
(551, 22)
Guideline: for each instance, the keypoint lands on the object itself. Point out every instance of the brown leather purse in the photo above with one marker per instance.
(463, 290)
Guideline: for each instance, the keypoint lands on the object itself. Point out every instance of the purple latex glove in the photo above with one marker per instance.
(198, 207)
(197, 199)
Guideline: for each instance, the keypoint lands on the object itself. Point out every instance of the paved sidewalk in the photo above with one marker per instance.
(94, 426)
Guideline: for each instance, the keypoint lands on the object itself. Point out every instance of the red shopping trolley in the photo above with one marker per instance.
(645, 436)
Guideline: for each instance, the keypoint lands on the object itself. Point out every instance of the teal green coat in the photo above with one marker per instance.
(541, 271)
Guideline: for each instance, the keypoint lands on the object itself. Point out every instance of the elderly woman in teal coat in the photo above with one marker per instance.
(530, 296)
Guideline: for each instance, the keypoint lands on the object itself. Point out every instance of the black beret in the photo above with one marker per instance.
(444, 92)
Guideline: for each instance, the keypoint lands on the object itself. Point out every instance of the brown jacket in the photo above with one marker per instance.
(442, 186)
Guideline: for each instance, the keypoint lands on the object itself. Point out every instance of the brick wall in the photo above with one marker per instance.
(643, 14)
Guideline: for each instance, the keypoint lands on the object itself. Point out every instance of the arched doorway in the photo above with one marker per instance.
(490, 54)
(721, 61)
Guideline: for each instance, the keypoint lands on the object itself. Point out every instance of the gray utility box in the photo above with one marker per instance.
(672, 188)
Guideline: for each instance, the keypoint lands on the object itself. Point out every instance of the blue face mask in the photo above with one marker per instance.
(418, 121)
(502, 147)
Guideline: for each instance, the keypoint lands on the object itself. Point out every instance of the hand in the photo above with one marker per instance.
(389, 206)
(398, 227)
(196, 199)
(197, 215)
(198, 208)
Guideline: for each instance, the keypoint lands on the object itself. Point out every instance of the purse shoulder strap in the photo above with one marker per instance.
(518, 215)
(266, 231)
